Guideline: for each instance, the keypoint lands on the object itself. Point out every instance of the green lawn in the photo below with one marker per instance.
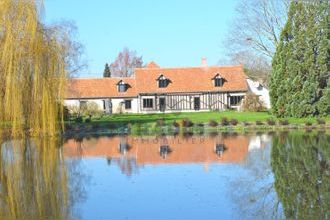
(196, 117)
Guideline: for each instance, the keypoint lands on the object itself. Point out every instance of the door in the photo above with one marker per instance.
(197, 103)
(107, 106)
(162, 104)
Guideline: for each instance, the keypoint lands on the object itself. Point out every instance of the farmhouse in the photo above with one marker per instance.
(154, 89)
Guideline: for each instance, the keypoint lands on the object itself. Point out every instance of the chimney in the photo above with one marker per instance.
(204, 62)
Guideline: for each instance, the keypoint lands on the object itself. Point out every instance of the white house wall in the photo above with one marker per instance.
(71, 103)
(185, 102)
(76, 102)
(261, 91)
(118, 105)
(174, 103)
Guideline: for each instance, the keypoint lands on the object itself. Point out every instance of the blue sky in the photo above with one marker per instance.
(170, 32)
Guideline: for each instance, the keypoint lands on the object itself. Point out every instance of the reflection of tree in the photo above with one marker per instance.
(254, 190)
(127, 165)
(33, 180)
(301, 165)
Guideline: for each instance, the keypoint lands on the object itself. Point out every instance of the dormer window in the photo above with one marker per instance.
(164, 150)
(122, 86)
(162, 81)
(219, 149)
(218, 81)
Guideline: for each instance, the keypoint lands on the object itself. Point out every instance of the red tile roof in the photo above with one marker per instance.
(99, 88)
(152, 64)
(146, 149)
(187, 80)
(197, 79)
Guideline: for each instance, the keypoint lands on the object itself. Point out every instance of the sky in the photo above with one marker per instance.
(172, 33)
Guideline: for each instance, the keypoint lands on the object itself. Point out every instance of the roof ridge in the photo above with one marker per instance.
(186, 67)
(99, 78)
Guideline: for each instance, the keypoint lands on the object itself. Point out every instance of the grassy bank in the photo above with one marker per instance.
(199, 121)
(195, 117)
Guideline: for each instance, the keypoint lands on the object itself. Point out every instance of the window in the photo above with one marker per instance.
(123, 147)
(148, 103)
(162, 83)
(128, 104)
(218, 82)
(235, 100)
(197, 103)
(83, 104)
(122, 87)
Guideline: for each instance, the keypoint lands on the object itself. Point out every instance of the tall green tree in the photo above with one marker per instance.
(300, 82)
(106, 72)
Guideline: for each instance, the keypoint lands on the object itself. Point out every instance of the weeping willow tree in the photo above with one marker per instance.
(33, 61)
(301, 166)
(33, 180)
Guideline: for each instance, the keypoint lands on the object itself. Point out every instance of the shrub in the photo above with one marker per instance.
(224, 121)
(252, 103)
(213, 123)
(245, 123)
(271, 121)
(308, 123)
(73, 110)
(187, 123)
(176, 124)
(284, 122)
(88, 127)
(234, 122)
(113, 126)
(68, 127)
(90, 109)
(96, 127)
(79, 119)
(76, 128)
(320, 121)
(259, 123)
(88, 120)
(188, 134)
(200, 124)
(160, 122)
(66, 113)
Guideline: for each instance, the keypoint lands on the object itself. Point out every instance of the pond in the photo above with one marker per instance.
(276, 175)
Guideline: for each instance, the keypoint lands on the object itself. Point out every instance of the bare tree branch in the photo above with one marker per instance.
(254, 33)
(125, 63)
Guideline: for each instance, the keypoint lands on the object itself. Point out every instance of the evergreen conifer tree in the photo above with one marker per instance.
(107, 72)
(300, 79)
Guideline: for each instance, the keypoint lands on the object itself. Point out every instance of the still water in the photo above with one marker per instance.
(213, 176)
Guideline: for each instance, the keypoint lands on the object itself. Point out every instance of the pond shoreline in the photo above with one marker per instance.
(192, 122)
(82, 129)
(173, 123)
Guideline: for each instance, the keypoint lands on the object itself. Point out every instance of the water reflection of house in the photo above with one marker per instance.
(160, 150)
(259, 141)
